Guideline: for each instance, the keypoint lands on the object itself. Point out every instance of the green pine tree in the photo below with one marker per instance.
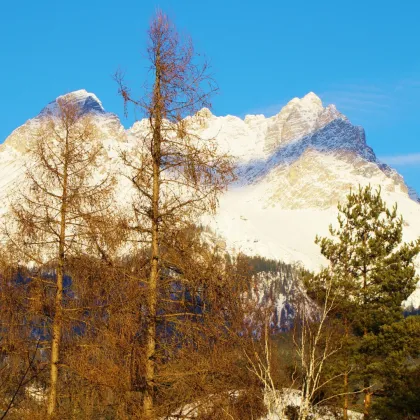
(373, 272)
(399, 345)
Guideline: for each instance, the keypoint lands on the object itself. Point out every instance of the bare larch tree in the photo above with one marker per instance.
(53, 215)
(176, 174)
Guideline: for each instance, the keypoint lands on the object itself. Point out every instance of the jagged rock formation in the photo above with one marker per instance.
(293, 168)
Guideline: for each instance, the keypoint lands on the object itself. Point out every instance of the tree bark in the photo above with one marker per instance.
(152, 303)
(346, 396)
(58, 307)
(154, 260)
(346, 376)
(367, 401)
(368, 395)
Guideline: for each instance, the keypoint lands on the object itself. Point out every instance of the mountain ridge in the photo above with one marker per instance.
(293, 169)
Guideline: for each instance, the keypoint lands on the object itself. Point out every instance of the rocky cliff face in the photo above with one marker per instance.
(301, 152)
(293, 168)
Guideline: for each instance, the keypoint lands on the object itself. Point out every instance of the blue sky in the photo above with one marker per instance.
(361, 55)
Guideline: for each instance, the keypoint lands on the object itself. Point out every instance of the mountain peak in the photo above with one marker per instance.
(310, 104)
(298, 118)
(204, 113)
(312, 98)
(87, 101)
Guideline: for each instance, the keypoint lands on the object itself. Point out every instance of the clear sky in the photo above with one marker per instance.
(364, 56)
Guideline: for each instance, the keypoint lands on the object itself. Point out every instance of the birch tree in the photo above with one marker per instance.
(316, 342)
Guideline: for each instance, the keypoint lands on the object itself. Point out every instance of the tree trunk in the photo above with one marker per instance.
(346, 375)
(151, 322)
(304, 407)
(346, 396)
(154, 262)
(368, 395)
(55, 345)
(58, 307)
(367, 401)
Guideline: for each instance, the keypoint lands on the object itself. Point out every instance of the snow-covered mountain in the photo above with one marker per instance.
(293, 168)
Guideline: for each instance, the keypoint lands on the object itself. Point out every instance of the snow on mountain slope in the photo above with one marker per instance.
(293, 168)
(13, 156)
(88, 102)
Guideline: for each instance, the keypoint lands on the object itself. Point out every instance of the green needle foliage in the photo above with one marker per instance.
(372, 272)
(399, 345)
(375, 269)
